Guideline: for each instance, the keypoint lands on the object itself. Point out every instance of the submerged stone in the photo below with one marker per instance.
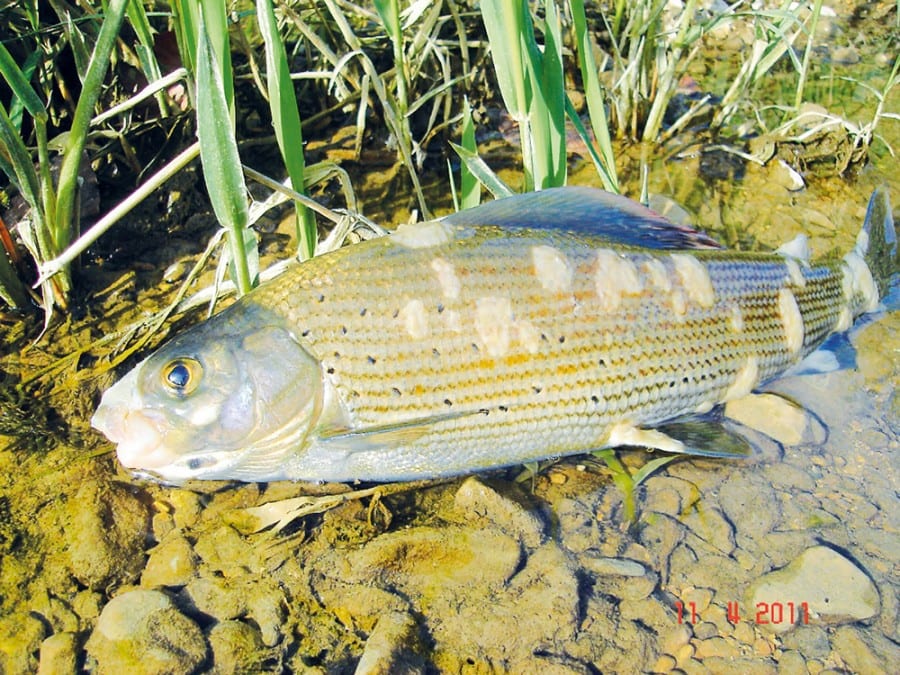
(832, 588)
(142, 631)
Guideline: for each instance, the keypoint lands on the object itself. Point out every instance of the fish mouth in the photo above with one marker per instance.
(137, 435)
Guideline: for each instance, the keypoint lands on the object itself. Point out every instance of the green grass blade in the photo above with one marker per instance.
(90, 93)
(219, 155)
(595, 100)
(18, 83)
(469, 186)
(187, 20)
(286, 121)
(482, 172)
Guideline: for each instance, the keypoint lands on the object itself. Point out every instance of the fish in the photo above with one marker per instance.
(536, 326)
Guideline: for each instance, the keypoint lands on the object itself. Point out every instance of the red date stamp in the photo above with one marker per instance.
(774, 613)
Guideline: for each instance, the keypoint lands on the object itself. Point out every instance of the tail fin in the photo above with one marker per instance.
(877, 241)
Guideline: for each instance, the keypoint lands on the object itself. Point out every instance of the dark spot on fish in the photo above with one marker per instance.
(543, 337)
(562, 339)
(362, 312)
(485, 411)
(595, 398)
(199, 462)
(371, 359)
(537, 389)
(502, 408)
(601, 362)
(330, 371)
(448, 402)
(337, 355)
(395, 391)
(321, 297)
(435, 352)
(305, 333)
(440, 308)
(475, 347)
(395, 314)
(343, 330)
(685, 379)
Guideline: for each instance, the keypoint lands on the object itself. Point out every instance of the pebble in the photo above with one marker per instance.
(619, 566)
(867, 652)
(393, 647)
(107, 534)
(770, 414)
(237, 647)
(59, 654)
(811, 641)
(791, 661)
(712, 527)
(171, 563)
(810, 579)
(142, 631)
(479, 501)
(748, 499)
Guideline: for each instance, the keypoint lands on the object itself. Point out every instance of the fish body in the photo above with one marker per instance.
(536, 326)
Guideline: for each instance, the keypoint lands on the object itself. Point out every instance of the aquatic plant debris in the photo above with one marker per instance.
(545, 324)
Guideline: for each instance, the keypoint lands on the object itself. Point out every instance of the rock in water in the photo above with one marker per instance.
(832, 588)
(143, 632)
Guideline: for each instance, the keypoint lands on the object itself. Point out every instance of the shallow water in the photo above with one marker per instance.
(498, 572)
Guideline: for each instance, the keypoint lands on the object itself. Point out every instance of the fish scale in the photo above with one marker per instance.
(504, 334)
(553, 385)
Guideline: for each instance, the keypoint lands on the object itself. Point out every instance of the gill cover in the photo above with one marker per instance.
(225, 399)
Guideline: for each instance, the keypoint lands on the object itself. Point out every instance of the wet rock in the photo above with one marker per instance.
(20, 641)
(237, 647)
(59, 654)
(107, 534)
(660, 535)
(219, 598)
(171, 563)
(791, 661)
(481, 502)
(864, 652)
(223, 550)
(357, 607)
(393, 647)
(616, 566)
(810, 579)
(811, 641)
(142, 631)
(747, 500)
(789, 477)
(428, 560)
(772, 415)
(737, 665)
(710, 525)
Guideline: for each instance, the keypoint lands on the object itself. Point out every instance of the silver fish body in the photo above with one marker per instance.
(542, 325)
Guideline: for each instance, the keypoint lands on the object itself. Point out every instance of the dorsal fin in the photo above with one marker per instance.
(586, 211)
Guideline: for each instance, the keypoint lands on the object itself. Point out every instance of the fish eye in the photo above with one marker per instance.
(182, 376)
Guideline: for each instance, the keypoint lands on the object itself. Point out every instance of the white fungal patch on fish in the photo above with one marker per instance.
(858, 280)
(615, 277)
(845, 320)
(679, 303)
(656, 273)
(795, 274)
(452, 321)
(493, 323)
(529, 336)
(791, 320)
(736, 318)
(694, 279)
(423, 235)
(744, 381)
(553, 269)
(797, 248)
(414, 319)
(446, 274)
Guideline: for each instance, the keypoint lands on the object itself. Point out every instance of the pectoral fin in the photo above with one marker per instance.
(689, 436)
(394, 435)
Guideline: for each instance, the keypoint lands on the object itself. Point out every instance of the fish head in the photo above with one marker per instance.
(227, 399)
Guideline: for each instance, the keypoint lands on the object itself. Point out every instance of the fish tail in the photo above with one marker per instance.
(877, 241)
